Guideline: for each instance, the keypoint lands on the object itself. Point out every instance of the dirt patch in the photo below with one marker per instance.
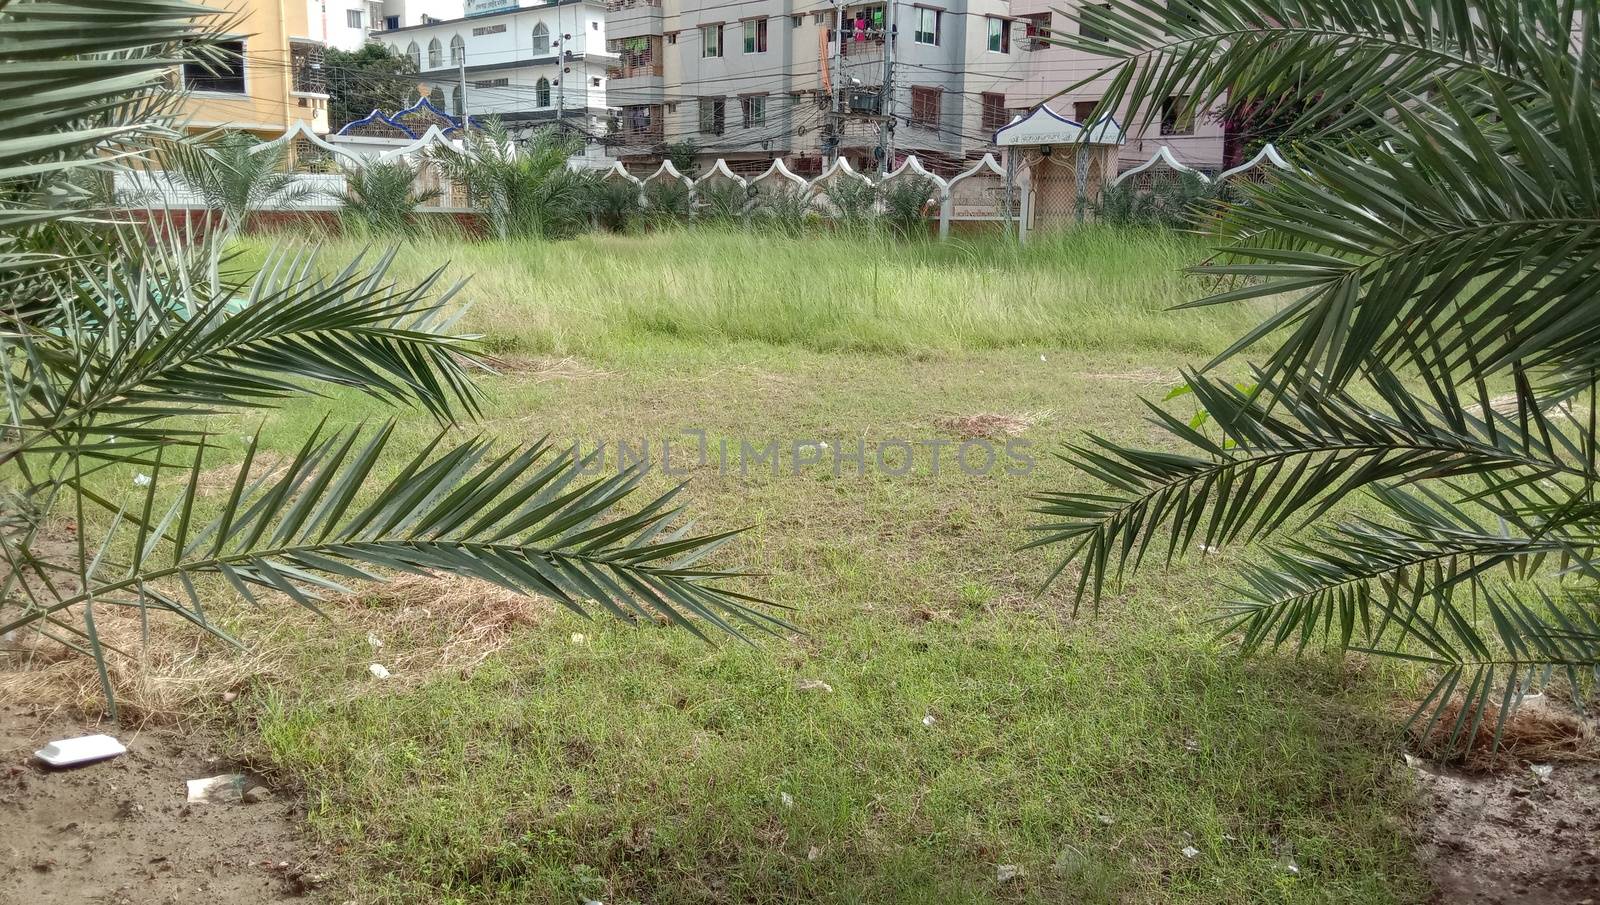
(991, 425)
(1518, 825)
(122, 831)
(1512, 838)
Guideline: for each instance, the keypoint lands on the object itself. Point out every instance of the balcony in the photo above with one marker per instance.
(633, 18)
(634, 72)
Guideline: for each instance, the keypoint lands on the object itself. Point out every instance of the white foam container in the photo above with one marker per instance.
(84, 749)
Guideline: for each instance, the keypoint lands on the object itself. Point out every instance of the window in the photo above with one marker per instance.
(1181, 15)
(436, 97)
(672, 37)
(1038, 29)
(994, 111)
(710, 40)
(999, 35)
(927, 31)
(225, 75)
(492, 83)
(435, 54)
(1176, 118)
(796, 21)
(594, 82)
(355, 18)
(541, 40)
(458, 51)
(713, 114)
(414, 54)
(925, 107)
(1083, 111)
(753, 110)
(458, 103)
(541, 92)
(755, 36)
(391, 22)
(1088, 31)
(305, 61)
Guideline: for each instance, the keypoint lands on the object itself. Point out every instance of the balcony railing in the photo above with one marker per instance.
(636, 71)
(649, 135)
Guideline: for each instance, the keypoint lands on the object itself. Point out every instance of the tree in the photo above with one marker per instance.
(115, 340)
(234, 174)
(1432, 347)
(381, 198)
(526, 188)
(368, 78)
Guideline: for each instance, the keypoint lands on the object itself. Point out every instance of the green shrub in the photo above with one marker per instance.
(855, 203)
(1179, 203)
(905, 205)
(615, 204)
(787, 211)
(381, 198)
(723, 202)
(666, 203)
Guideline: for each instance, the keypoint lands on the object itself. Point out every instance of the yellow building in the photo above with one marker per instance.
(273, 79)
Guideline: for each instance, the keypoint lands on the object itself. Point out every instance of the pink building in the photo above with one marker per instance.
(1047, 69)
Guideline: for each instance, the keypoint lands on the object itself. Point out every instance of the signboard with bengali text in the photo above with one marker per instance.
(485, 7)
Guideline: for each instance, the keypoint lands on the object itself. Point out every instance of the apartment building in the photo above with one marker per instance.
(755, 80)
(273, 78)
(532, 63)
(1048, 69)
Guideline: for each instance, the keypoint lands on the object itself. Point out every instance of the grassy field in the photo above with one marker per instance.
(974, 729)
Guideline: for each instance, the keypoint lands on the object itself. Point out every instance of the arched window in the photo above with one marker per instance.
(458, 51)
(436, 97)
(541, 93)
(541, 40)
(458, 104)
(435, 54)
(414, 54)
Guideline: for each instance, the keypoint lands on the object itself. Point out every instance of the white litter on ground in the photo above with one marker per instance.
(84, 749)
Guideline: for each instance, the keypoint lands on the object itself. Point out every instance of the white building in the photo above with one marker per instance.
(348, 24)
(529, 64)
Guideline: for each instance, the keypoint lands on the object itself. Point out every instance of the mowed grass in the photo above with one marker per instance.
(1084, 753)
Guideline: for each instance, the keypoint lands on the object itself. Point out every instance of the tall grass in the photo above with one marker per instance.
(1096, 289)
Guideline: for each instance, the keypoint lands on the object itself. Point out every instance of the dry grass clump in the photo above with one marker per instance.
(161, 669)
(431, 623)
(1539, 730)
(541, 369)
(992, 426)
(164, 669)
(266, 464)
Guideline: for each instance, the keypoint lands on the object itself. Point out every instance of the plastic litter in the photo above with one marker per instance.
(224, 787)
(84, 749)
(378, 671)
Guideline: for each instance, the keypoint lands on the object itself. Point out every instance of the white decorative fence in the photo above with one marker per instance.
(983, 193)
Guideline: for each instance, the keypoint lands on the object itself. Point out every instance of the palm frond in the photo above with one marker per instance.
(531, 519)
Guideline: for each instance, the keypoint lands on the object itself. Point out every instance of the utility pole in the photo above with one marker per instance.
(838, 76)
(561, 69)
(886, 93)
(461, 77)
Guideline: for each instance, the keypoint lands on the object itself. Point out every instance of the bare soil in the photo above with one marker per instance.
(122, 831)
(1510, 838)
